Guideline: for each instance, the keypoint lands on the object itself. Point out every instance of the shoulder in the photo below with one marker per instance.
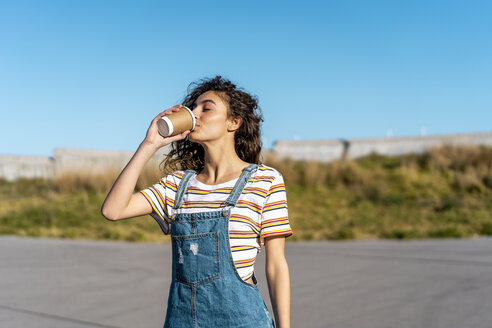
(267, 174)
(262, 168)
(176, 174)
(172, 178)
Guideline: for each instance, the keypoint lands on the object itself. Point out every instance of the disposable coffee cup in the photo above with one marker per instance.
(176, 122)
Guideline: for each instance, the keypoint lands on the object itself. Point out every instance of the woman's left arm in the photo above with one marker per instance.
(277, 273)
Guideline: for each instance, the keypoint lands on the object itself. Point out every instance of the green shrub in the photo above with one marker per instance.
(445, 192)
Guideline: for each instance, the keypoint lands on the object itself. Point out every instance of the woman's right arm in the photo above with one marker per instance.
(121, 202)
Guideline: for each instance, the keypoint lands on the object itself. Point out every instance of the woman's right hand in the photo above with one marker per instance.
(153, 136)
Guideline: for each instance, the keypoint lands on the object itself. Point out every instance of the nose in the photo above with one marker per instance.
(194, 113)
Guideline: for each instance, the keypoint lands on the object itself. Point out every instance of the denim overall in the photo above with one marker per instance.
(206, 290)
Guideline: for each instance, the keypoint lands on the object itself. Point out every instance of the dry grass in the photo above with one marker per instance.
(71, 181)
(446, 192)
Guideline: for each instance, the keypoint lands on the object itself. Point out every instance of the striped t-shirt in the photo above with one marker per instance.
(260, 212)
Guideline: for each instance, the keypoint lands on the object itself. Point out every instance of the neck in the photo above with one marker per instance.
(221, 164)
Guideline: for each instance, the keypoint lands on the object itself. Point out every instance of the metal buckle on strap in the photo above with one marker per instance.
(172, 214)
(226, 211)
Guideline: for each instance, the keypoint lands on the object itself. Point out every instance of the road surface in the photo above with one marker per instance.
(80, 284)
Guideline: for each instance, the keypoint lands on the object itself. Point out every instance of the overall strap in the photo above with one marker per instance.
(240, 183)
(183, 184)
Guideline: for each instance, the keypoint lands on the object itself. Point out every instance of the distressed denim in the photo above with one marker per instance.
(206, 290)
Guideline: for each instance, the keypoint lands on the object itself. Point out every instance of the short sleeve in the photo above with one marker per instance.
(274, 216)
(156, 196)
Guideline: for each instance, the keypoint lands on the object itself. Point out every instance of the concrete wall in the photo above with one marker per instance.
(68, 160)
(65, 160)
(400, 146)
(328, 150)
(14, 167)
(322, 150)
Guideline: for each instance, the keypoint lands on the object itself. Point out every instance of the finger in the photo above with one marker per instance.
(180, 136)
(164, 113)
(175, 108)
(170, 110)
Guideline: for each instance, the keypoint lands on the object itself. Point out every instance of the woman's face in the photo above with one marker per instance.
(211, 118)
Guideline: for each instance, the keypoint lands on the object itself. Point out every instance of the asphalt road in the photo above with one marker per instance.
(79, 284)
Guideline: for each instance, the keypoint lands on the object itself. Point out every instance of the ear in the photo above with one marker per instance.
(234, 123)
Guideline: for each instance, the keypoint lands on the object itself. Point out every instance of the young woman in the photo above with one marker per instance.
(220, 205)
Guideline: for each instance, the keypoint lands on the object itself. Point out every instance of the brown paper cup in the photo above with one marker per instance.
(176, 122)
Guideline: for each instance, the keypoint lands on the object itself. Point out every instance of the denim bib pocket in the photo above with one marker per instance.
(196, 257)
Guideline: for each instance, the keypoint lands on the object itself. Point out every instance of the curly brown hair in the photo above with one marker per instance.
(185, 154)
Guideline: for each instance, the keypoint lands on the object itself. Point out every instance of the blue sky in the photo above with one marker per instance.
(93, 74)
